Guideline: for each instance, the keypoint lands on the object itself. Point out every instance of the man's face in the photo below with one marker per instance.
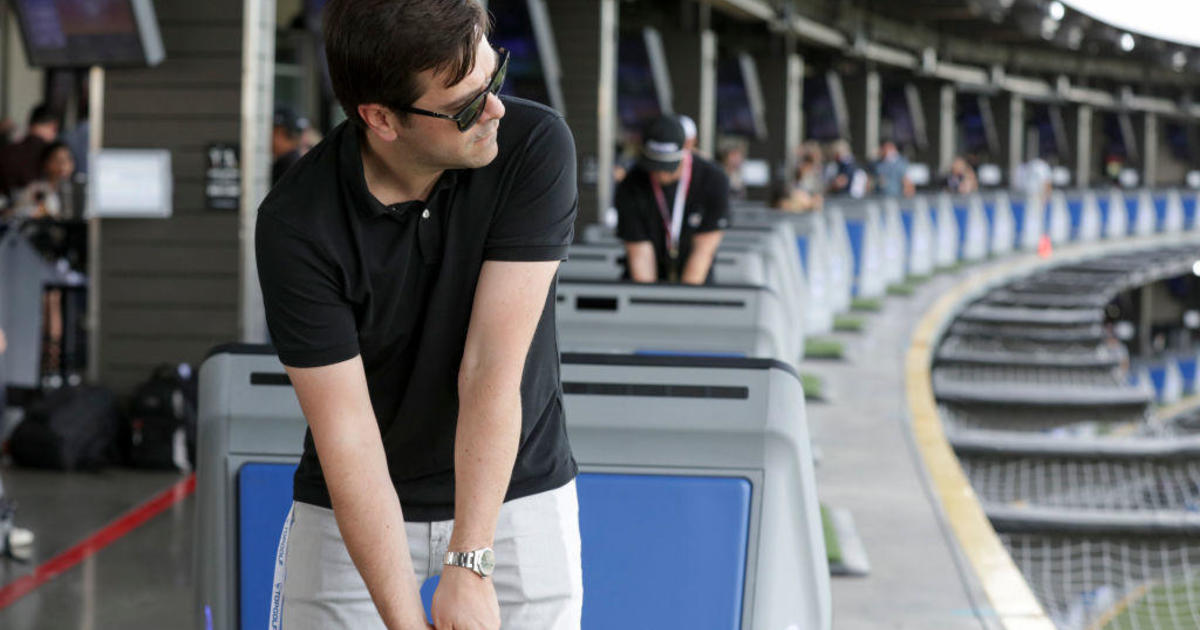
(439, 143)
(667, 177)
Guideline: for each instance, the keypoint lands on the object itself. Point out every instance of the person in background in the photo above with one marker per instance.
(671, 209)
(891, 172)
(840, 173)
(7, 128)
(309, 138)
(1035, 177)
(20, 161)
(961, 179)
(732, 155)
(50, 196)
(286, 139)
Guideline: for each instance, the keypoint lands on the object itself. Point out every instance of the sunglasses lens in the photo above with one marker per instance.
(472, 112)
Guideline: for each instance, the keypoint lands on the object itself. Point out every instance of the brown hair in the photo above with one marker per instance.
(376, 48)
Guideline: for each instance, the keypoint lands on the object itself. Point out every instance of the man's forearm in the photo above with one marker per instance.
(371, 522)
(704, 248)
(485, 448)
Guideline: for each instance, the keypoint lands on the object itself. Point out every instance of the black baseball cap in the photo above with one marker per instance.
(287, 118)
(662, 144)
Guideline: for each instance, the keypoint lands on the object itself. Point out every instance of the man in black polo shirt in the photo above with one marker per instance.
(671, 209)
(407, 266)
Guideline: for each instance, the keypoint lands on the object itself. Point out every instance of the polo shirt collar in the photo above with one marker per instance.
(351, 167)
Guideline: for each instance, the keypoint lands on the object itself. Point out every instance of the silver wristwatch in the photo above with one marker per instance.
(481, 561)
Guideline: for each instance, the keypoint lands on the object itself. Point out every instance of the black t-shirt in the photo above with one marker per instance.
(639, 217)
(342, 275)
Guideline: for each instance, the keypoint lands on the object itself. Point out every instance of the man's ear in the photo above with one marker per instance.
(380, 120)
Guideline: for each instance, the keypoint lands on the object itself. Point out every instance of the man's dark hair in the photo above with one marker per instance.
(42, 114)
(376, 48)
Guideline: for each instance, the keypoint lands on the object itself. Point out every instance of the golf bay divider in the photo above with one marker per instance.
(676, 454)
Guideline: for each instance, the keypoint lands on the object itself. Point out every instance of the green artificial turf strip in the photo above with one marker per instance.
(833, 550)
(1159, 607)
(848, 323)
(866, 304)
(814, 387)
(824, 348)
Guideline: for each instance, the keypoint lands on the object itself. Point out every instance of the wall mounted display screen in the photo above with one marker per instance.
(523, 28)
(1047, 121)
(902, 120)
(75, 33)
(641, 94)
(739, 98)
(977, 125)
(825, 116)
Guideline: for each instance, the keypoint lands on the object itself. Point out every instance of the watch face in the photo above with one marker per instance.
(487, 562)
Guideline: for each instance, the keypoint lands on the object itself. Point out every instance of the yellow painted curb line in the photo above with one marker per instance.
(1009, 594)
(1178, 407)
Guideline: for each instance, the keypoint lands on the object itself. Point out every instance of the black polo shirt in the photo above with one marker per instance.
(344, 275)
(706, 209)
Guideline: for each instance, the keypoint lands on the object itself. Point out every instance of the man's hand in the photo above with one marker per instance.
(3, 342)
(465, 601)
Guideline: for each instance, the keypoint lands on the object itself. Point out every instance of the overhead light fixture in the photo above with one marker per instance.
(1179, 60)
(1127, 42)
(1056, 10)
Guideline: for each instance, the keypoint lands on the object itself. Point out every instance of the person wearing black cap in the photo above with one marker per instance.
(671, 209)
(285, 141)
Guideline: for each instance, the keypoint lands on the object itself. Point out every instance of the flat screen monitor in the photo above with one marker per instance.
(739, 98)
(977, 125)
(825, 117)
(643, 84)
(77, 33)
(523, 28)
(902, 120)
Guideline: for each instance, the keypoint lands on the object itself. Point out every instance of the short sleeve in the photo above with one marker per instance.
(310, 322)
(537, 221)
(631, 222)
(716, 207)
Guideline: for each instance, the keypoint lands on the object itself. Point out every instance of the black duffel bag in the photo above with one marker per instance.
(73, 428)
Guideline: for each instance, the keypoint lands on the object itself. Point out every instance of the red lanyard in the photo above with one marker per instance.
(673, 221)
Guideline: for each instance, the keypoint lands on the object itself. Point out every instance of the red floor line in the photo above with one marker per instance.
(89, 546)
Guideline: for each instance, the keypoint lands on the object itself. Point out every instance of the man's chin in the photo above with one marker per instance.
(485, 153)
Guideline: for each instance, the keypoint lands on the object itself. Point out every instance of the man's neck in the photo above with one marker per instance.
(391, 176)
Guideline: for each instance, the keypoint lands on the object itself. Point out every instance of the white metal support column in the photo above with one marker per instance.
(1083, 146)
(708, 92)
(794, 109)
(258, 95)
(1150, 176)
(606, 105)
(873, 112)
(947, 117)
(1016, 135)
(95, 143)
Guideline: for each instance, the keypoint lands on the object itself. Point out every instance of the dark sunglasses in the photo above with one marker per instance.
(466, 118)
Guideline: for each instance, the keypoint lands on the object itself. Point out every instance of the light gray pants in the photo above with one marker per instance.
(538, 577)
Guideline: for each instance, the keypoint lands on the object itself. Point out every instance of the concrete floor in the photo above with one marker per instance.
(868, 465)
(143, 580)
